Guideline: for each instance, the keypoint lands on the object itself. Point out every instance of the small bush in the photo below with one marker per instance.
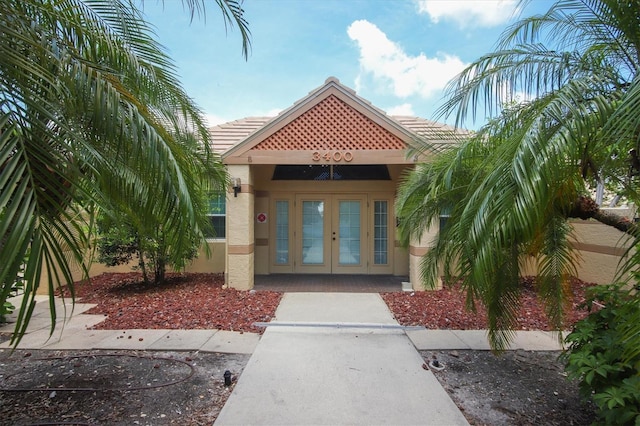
(601, 358)
(6, 307)
(120, 242)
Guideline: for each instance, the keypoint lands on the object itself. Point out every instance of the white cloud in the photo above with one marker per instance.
(214, 120)
(521, 96)
(477, 13)
(509, 96)
(404, 109)
(406, 75)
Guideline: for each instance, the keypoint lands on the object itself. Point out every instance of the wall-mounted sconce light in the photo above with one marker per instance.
(237, 186)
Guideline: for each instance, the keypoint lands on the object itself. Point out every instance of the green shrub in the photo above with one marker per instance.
(601, 359)
(6, 307)
(120, 241)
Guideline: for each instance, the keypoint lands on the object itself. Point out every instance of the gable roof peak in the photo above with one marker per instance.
(328, 83)
(329, 97)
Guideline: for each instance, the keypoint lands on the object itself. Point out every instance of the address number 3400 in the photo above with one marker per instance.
(336, 156)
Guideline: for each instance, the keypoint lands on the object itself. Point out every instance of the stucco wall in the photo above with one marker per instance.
(600, 248)
(212, 264)
(417, 249)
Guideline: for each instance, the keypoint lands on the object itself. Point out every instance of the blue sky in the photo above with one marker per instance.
(398, 54)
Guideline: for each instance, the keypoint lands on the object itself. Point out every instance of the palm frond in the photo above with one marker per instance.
(91, 114)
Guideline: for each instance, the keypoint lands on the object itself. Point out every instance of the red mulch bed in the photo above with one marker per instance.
(445, 309)
(184, 301)
(199, 301)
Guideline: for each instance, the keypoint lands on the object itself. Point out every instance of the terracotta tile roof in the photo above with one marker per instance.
(227, 135)
(422, 126)
(440, 135)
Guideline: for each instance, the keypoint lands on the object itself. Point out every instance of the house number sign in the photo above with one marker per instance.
(336, 156)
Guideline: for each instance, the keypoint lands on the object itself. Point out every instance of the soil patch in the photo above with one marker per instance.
(515, 388)
(125, 388)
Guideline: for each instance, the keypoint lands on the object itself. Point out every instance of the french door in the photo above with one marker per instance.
(331, 234)
(347, 233)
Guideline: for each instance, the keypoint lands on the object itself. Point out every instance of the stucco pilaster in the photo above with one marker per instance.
(417, 249)
(240, 230)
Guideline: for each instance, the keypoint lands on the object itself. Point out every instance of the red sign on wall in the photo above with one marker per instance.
(261, 217)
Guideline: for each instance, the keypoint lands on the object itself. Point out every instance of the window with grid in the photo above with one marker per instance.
(380, 232)
(282, 232)
(217, 215)
(332, 172)
(445, 214)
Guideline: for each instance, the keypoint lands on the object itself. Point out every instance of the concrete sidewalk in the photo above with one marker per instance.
(312, 371)
(72, 333)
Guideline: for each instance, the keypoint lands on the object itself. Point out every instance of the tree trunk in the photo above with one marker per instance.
(160, 270)
(585, 208)
(141, 263)
(619, 222)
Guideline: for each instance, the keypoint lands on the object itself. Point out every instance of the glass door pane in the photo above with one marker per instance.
(312, 232)
(282, 232)
(380, 233)
(349, 233)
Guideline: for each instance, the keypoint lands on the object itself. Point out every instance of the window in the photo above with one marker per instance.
(217, 216)
(443, 221)
(380, 233)
(332, 172)
(445, 214)
(349, 232)
(282, 232)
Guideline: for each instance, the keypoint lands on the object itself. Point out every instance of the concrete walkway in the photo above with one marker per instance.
(337, 360)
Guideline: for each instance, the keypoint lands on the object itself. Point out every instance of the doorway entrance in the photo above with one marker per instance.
(332, 234)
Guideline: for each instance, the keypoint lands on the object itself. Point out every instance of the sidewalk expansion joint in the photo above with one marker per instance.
(338, 325)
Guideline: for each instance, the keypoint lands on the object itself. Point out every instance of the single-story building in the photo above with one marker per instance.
(313, 192)
(313, 188)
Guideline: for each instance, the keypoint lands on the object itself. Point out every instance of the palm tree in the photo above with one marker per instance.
(92, 116)
(510, 188)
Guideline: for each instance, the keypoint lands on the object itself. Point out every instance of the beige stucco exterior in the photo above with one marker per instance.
(417, 249)
(214, 262)
(600, 249)
(239, 271)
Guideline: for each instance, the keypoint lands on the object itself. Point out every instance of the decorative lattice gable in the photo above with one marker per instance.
(331, 124)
